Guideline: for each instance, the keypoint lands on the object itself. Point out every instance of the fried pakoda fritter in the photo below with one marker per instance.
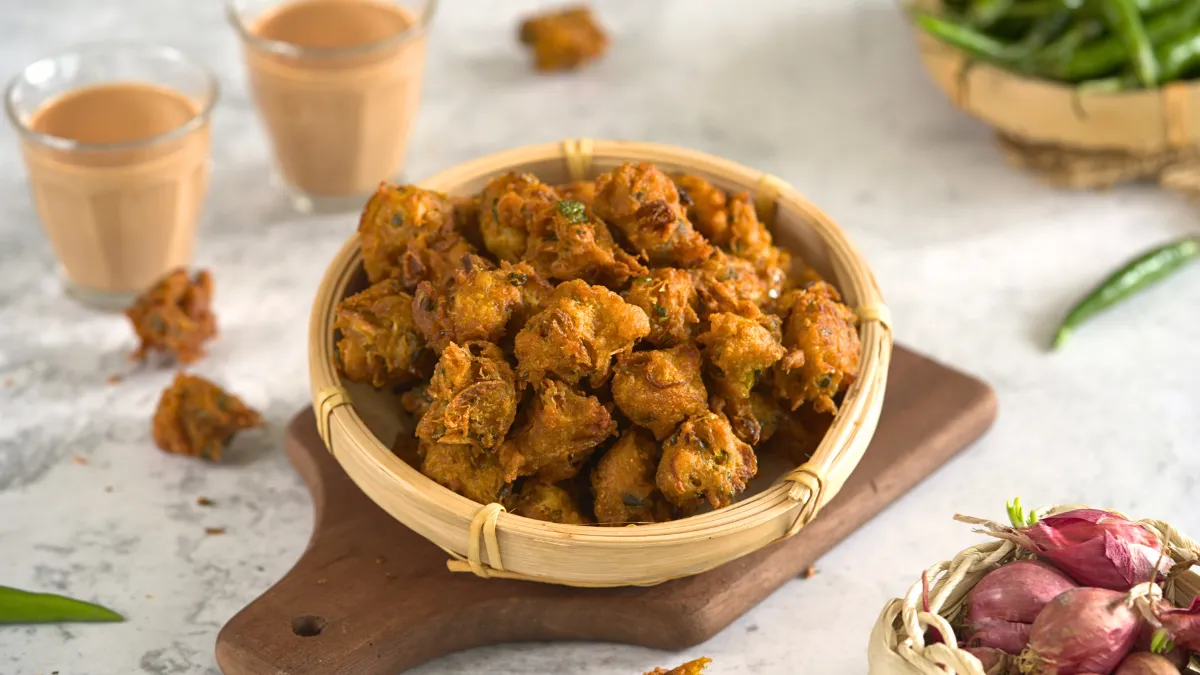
(706, 209)
(508, 206)
(464, 469)
(750, 241)
(755, 420)
(474, 397)
(821, 339)
(563, 429)
(566, 243)
(704, 460)
(196, 417)
(174, 316)
(480, 304)
(416, 401)
(546, 501)
(577, 334)
(740, 353)
(643, 203)
(725, 283)
(380, 344)
(565, 39)
(394, 218)
(694, 667)
(583, 191)
(669, 301)
(659, 389)
(623, 482)
(434, 261)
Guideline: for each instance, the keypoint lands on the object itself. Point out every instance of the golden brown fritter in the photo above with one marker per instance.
(693, 667)
(643, 203)
(474, 397)
(821, 339)
(565, 243)
(740, 353)
(669, 301)
(623, 482)
(704, 460)
(435, 260)
(380, 344)
(725, 283)
(707, 209)
(174, 316)
(396, 216)
(508, 207)
(416, 401)
(577, 333)
(659, 389)
(563, 429)
(473, 474)
(565, 39)
(750, 240)
(546, 501)
(583, 191)
(755, 419)
(196, 417)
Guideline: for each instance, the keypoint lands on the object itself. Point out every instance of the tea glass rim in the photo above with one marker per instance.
(159, 50)
(291, 50)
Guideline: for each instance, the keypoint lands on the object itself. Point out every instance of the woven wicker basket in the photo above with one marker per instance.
(357, 422)
(897, 645)
(1042, 111)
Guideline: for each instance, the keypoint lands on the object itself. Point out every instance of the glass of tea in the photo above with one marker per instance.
(115, 137)
(337, 84)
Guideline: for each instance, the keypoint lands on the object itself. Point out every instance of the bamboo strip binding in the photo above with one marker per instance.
(897, 643)
(491, 543)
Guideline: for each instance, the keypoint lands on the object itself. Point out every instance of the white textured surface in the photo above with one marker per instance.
(976, 261)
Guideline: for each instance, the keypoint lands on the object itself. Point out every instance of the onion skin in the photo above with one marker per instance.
(1085, 630)
(1182, 624)
(1007, 636)
(1096, 548)
(995, 662)
(1016, 592)
(1145, 663)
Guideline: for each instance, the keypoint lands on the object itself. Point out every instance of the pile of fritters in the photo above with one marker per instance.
(599, 352)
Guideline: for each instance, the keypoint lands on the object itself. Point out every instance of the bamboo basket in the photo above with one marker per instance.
(355, 421)
(897, 644)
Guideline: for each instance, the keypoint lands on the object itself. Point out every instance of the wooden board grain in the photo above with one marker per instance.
(370, 597)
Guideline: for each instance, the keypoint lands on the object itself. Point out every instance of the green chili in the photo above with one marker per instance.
(1126, 23)
(17, 606)
(1178, 56)
(969, 40)
(1101, 57)
(984, 13)
(1058, 53)
(1135, 275)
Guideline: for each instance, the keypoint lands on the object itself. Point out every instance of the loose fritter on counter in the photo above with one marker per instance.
(565, 39)
(196, 417)
(174, 316)
(694, 667)
(598, 352)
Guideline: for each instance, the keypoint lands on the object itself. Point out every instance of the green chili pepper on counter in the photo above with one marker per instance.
(17, 606)
(1126, 22)
(1137, 274)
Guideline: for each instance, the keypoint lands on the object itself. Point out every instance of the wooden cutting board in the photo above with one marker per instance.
(370, 597)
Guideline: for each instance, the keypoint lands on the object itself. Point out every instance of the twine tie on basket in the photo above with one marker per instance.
(328, 399)
(876, 312)
(810, 480)
(483, 526)
(578, 154)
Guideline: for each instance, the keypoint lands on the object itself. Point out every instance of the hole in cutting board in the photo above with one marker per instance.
(308, 625)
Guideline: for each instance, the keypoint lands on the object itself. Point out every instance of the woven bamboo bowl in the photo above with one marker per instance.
(1141, 122)
(357, 422)
(897, 645)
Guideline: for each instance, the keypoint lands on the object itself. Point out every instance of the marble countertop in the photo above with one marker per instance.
(977, 263)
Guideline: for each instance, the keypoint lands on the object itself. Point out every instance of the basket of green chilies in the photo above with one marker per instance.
(1087, 92)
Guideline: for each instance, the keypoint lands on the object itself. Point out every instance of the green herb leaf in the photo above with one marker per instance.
(575, 212)
(631, 499)
(517, 278)
(17, 606)
(659, 310)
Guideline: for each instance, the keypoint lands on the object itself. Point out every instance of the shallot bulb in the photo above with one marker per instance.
(1084, 630)
(1181, 624)
(1016, 592)
(1145, 663)
(1007, 636)
(994, 661)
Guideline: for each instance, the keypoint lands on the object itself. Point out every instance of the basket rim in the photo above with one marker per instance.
(767, 505)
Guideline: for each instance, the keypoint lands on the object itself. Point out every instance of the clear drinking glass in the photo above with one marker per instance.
(115, 137)
(337, 84)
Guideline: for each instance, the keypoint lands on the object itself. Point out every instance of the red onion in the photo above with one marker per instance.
(1084, 630)
(1016, 592)
(995, 662)
(1145, 663)
(1096, 548)
(1007, 636)
(1182, 624)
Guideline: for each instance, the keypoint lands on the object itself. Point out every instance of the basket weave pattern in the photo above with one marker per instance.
(491, 543)
(897, 644)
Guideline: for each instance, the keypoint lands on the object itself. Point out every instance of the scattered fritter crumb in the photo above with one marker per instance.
(809, 572)
(113, 379)
(694, 667)
(565, 39)
(197, 418)
(174, 316)
(80, 460)
(211, 531)
(204, 501)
